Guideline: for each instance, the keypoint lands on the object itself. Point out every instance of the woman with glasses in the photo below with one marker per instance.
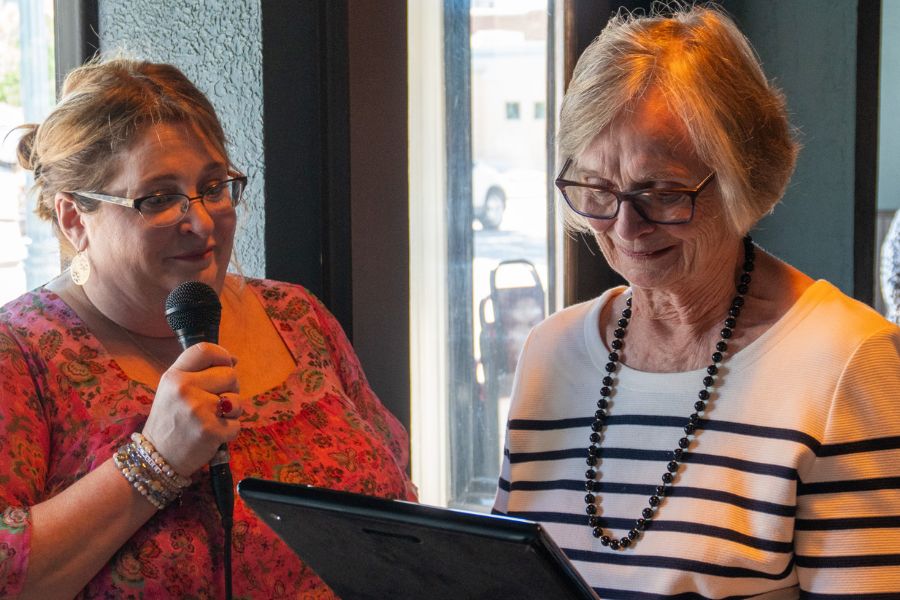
(723, 426)
(106, 424)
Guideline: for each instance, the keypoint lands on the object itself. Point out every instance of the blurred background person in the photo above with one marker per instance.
(890, 270)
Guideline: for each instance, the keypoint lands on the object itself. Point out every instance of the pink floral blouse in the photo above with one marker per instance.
(65, 406)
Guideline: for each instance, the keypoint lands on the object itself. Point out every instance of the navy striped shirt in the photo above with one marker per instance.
(791, 488)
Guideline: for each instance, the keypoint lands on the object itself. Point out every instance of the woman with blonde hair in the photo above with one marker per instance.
(723, 426)
(106, 424)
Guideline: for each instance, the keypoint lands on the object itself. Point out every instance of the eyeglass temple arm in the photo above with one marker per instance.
(105, 198)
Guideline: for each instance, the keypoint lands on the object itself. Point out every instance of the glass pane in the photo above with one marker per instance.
(509, 255)
(29, 252)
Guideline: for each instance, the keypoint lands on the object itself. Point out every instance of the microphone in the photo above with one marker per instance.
(193, 311)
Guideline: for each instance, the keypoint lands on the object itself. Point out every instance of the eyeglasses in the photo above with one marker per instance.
(165, 210)
(664, 206)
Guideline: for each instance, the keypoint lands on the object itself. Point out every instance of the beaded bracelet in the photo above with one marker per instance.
(134, 472)
(140, 475)
(158, 483)
(148, 472)
(140, 457)
(147, 449)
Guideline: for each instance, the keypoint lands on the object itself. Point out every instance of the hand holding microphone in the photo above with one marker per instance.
(186, 423)
(193, 311)
(183, 423)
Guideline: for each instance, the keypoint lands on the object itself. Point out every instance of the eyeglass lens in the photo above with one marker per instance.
(661, 207)
(168, 209)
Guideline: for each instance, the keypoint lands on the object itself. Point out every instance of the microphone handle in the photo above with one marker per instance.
(221, 457)
(189, 336)
(219, 469)
(222, 485)
(223, 488)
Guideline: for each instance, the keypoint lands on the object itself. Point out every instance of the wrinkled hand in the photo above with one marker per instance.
(183, 424)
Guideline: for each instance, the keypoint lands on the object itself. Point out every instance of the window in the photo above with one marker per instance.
(540, 110)
(29, 252)
(483, 232)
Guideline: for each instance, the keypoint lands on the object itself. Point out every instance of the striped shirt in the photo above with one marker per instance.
(791, 488)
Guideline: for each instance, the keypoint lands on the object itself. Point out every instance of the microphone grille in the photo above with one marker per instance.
(193, 305)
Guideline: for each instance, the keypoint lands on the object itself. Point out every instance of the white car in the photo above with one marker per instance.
(488, 195)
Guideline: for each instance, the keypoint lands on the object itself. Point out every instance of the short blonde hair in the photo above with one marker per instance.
(105, 105)
(709, 75)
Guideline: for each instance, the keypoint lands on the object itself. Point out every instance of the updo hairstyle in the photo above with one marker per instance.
(105, 106)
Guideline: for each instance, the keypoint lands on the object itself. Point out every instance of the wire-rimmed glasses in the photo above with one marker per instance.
(165, 210)
(665, 206)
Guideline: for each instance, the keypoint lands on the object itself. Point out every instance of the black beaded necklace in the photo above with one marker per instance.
(693, 421)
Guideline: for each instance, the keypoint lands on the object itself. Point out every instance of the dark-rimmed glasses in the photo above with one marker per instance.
(664, 206)
(165, 210)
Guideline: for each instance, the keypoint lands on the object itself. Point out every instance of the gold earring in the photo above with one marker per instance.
(80, 268)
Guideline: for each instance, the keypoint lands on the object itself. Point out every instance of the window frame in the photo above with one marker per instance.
(441, 262)
(76, 35)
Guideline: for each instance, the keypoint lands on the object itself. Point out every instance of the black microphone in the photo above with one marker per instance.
(193, 311)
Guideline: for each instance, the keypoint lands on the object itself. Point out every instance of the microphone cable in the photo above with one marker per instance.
(223, 492)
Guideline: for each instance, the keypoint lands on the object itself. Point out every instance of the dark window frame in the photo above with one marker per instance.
(462, 415)
(865, 208)
(76, 35)
(473, 466)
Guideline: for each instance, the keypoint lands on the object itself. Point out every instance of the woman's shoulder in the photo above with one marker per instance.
(826, 326)
(287, 303)
(829, 305)
(798, 298)
(37, 307)
(280, 295)
(575, 327)
(38, 325)
(575, 316)
(276, 289)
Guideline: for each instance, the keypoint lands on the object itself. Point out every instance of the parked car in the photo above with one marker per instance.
(488, 195)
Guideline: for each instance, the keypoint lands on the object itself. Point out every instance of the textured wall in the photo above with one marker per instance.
(220, 50)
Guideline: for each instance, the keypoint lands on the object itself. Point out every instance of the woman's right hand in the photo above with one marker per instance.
(183, 423)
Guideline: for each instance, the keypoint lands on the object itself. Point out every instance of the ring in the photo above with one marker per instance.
(223, 407)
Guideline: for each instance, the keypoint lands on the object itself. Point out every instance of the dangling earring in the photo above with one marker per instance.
(80, 268)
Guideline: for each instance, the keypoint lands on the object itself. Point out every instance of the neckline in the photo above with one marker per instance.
(597, 349)
(104, 354)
